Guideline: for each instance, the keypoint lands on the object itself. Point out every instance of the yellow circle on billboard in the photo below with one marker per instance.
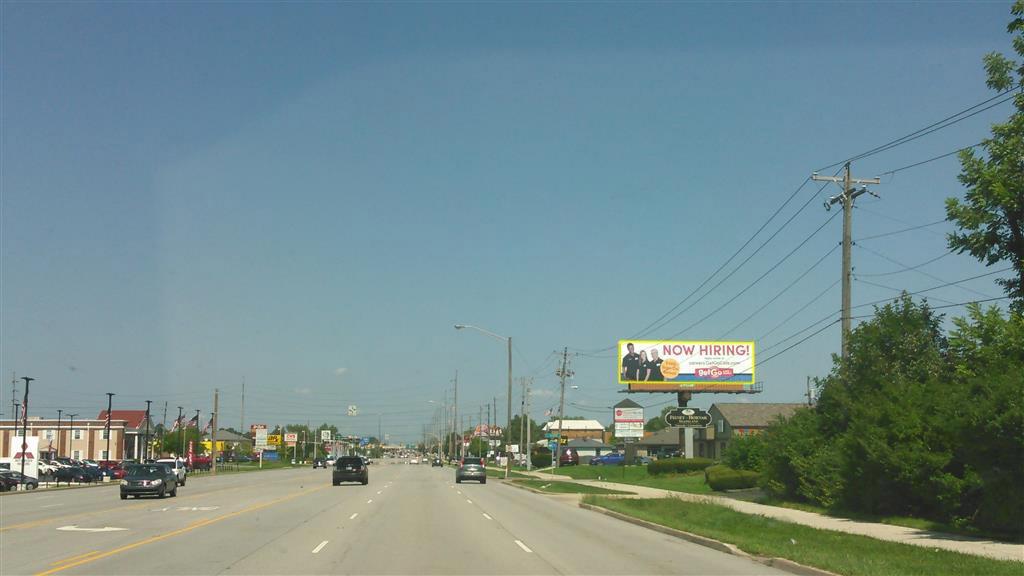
(670, 368)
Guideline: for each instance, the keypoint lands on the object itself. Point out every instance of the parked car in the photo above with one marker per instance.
(201, 463)
(94, 473)
(569, 457)
(71, 474)
(178, 466)
(471, 468)
(46, 469)
(611, 459)
(29, 482)
(7, 483)
(350, 469)
(113, 470)
(149, 479)
(330, 461)
(641, 460)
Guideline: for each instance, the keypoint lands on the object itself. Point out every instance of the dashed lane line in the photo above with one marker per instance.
(353, 517)
(524, 547)
(488, 517)
(320, 547)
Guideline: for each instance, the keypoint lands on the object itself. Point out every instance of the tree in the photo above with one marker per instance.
(658, 422)
(991, 217)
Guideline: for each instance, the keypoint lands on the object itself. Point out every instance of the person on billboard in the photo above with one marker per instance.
(644, 368)
(653, 367)
(630, 364)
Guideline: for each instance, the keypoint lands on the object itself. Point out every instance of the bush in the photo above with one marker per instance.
(677, 465)
(721, 477)
(541, 458)
(744, 453)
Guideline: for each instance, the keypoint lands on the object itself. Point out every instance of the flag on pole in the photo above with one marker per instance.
(208, 425)
(194, 422)
(177, 422)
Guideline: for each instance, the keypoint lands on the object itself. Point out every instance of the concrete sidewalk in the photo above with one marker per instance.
(912, 536)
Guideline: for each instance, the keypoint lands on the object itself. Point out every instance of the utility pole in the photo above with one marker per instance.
(241, 424)
(846, 199)
(24, 428)
(481, 425)
(455, 416)
(110, 405)
(562, 374)
(213, 434)
(145, 447)
(163, 428)
(810, 397)
(14, 398)
(529, 428)
(59, 413)
(488, 429)
(71, 436)
(522, 412)
(181, 431)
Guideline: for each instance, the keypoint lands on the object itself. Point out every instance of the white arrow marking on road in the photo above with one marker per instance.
(353, 517)
(523, 546)
(75, 528)
(320, 547)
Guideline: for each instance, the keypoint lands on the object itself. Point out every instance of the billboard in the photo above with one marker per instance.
(696, 366)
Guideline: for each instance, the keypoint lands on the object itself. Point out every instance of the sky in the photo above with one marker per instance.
(306, 197)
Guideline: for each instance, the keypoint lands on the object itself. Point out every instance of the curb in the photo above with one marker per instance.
(543, 493)
(775, 562)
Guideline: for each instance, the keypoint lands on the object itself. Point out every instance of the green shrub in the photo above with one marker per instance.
(541, 458)
(677, 465)
(721, 477)
(744, 452)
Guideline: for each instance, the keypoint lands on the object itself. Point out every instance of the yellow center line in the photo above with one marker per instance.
(73, 558)
(167, 535)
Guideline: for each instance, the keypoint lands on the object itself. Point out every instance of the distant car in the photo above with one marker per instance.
(178, 467)
(71, 474)
(94, 473)
(569, 457)
(330, 461)
(149, 479)
(350, 469)
(612, 459)
(318, 463)
(29, 482)
(436, 462)
(414, 461)
(641, 461)
(471, 468)
(46, 469)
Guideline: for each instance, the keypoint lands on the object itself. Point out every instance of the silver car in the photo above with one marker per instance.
(471, 468)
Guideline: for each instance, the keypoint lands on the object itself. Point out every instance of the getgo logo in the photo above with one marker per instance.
(714, 372)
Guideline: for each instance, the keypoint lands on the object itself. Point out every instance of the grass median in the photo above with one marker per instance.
(847, 554)
(556, 487)
(638, 476)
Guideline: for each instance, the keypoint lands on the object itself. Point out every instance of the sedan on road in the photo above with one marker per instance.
(471, 468)
(149, 479)
(350, 469)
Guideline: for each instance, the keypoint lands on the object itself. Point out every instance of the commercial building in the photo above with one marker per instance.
(81, 439)
(731, 420)
(577, 429)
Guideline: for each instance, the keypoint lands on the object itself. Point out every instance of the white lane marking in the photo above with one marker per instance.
(488, 517)
(320, 547)
(51, 505)
(75, 528)
(378, 492)
(460, 492)
(370, 501)
(523, 546)
(353, 517)
(468, 500)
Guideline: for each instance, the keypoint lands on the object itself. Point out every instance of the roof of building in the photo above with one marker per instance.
(664, 437)
(132, 418)
(227, 436)
(575, 425)
(588, 443)
(755, 415)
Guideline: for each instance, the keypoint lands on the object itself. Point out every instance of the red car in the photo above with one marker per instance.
(114, 469)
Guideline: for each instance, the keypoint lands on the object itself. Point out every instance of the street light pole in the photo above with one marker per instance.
(181, 430)
(59, 413)
(24, 425)
(110, 404)
(145, 448)
(71, 434)
(508, 395)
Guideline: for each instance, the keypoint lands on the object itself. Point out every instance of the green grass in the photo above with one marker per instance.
(847, 554)
(493, 472)
(638, 476)
(566, 487)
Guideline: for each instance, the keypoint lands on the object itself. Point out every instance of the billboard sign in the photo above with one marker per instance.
(695, 366)
(688, 418)
(629, 421)
(291, 438)
(274, 439)
(261, 438)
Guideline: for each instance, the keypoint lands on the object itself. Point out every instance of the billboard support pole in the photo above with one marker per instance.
(683, 398)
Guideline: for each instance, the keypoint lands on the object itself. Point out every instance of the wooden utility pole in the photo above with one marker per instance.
(562, 373)
(846, 199)
(213, 433)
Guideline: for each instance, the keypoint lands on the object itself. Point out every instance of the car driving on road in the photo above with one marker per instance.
(471, 468)
(149, 480)
(350, 469)
(177, 465)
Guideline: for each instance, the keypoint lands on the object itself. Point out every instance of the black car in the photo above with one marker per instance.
(350, 469)
(7, 483)
(71, 474)
(94, 472)
(471, 468)
(29, 482)
(149, 479)
(319, 463)
(436, 462)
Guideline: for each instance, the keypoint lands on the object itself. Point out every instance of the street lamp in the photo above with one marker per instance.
(508, 412)
(110, 400)
(24, 425)
(71, 434)
(59, 414)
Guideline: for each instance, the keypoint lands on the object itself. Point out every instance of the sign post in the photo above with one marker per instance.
(688, 419)
(628, 417)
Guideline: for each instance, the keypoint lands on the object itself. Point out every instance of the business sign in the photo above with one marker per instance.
(291, 438)
(274, 439)
(687, 418)
(629, 421)
(254, 427)
(261, 438)
(29, 448)
(325, 435)
(694, 366)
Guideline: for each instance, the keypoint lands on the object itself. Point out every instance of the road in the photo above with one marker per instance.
(408, 520)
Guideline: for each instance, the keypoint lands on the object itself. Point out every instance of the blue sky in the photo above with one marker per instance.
(309, 196)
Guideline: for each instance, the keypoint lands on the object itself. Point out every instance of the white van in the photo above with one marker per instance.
(178, 465)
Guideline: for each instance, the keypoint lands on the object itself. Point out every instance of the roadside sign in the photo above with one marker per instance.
(261, 438)
(629, 419)
(325, 435)
(291, 438)
(688, 418)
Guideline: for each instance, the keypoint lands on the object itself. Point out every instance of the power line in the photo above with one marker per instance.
(939, 157)
(944, 123)
(801, 331)
(895, 232)
(761, 277)
(937, 287)
(952, 305)
(795, 344)
(932, 276)
(907, 269)
(869, 283)
(801, 309)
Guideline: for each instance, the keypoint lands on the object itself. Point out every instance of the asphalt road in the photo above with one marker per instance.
(408, 520)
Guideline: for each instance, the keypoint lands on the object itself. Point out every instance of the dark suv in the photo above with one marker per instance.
(471, 469)
(350, 469)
